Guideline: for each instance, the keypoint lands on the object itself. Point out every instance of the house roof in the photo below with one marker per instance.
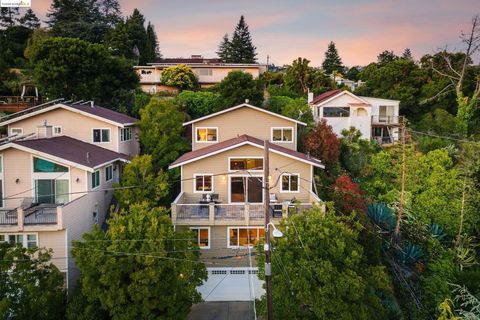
(237, 142)
(241, 106)
(70, 151)
(326, 95)
(97, 112)
(333, 94)
(188, 60)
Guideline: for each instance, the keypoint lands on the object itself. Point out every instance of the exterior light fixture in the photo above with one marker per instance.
(17, 181)
(224, 177)
(276, 233)
(77, 180)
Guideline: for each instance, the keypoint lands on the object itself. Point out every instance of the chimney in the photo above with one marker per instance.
(310, 96)
(92, 104)
(247, 100)
(44, 131)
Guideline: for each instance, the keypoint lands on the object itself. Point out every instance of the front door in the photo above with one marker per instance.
(246, 189)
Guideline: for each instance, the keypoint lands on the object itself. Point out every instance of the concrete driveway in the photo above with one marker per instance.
(241, 310)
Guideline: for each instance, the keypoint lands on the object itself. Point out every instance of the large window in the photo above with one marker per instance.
(290, 183)
(244, 236)
(246, 189)
(51, 191)
(207, 135)
(95, 179)
(204, 72)
(125, 134)
(26, 240)
(336, 112)
(203, 236)
(282, 134)
(203, 183)
(246, 164)
(108, 173)
(41, 165)
(101, 135)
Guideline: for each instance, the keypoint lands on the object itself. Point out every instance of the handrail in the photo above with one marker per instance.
(29, 110)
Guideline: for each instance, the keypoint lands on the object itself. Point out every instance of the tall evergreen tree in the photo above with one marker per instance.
(8, 17)
(110, 10)
(332, 61)
(136, 28)
(386, 57)
(242, 49)
(407, 54)
(224, 49)
(30, 20)
(151, 44)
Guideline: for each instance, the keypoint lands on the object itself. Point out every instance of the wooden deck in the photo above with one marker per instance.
(12, 104)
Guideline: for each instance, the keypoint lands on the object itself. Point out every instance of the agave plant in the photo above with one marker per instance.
(465, 250)
(437, 232)
(381, 215)
(410, 254)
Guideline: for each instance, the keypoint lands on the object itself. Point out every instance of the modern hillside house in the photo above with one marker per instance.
(222, 194)
(57, 167)
(376, 118)
(208, 71)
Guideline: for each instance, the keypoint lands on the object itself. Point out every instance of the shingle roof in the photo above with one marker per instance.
(326, 95)
(104, 113)
(73, 150)
(218, 147)
(188, 60)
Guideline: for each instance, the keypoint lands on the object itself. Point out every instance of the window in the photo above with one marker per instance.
(203, 183)
(246, 164)
(18, 131)
(101, 135)
(207, 135)
(244, 237)
(290, 183)
(282, 134)
(203, 236)
(125, 134)
(57, 130)
(26, 240)
(41, 165)
(95, 179)
(108, 173)
(333, 112)
(205, 72)
(51, 191)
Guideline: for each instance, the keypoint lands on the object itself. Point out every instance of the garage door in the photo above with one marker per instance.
(232, 284)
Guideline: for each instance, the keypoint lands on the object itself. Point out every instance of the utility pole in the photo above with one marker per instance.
(266, 247)
(402, 193)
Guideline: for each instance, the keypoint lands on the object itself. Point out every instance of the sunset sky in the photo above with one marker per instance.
(287, 29)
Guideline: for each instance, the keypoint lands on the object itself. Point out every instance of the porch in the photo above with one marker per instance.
(43, 216)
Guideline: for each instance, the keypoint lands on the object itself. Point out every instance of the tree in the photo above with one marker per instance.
(322, 143)
(353, 73)
(238, 86)
(161, 132)
(138, 34)
(30, 20)
(8, 17)
(110, 11)
(336, 280)
(348, 196)
(241, 46)
(386, 57)
(297, 109)
(332, 61)
(119, 41)
(180, 76)
(76, 69)
(300, 77)
(30, 286)
(407, 54)
(200, 103)
(224, 49)
(152, 51)
(151, 188)
(154, 276)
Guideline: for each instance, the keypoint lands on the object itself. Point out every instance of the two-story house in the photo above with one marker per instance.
(376, 118)
(208, 71)
(57, 168)
(222, 192)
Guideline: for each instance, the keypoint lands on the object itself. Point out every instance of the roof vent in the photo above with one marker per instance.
(88, 157)
(91, 104)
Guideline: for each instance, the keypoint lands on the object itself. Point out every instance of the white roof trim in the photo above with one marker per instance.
(239, 145)
(379, 99)
(110, 162)
(241, 106)
(340, 94)
(45, 155)
(61, 105)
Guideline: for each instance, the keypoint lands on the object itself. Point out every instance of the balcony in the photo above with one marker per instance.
(388, 120)
(39, 217)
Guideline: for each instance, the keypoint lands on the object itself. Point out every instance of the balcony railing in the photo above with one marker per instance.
(388, 120)
(8, 217)
(40, 215)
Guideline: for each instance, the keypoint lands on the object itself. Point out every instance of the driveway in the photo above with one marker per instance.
(241, 310)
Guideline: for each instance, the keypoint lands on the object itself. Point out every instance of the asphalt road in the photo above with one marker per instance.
(241, 310)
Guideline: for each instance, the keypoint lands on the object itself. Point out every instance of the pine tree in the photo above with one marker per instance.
(136, 29)
(8, 17)
(242, 49)
(386, 57)
(407, 54)
(151, 44)
(224, 49)
(30, 20)
(110, 10)
(332, 62)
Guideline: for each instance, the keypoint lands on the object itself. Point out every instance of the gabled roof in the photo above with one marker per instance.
(241, 106)
(99, 113)
(333, 94)
(240, 141)
(69, 151)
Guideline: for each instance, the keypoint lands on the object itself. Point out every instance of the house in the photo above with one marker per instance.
(208, 71)
(350, 84)
(222, 194)
(55, 187)
(377, 119)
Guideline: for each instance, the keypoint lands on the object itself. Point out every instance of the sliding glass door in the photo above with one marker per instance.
(51, 191)
(246, 189)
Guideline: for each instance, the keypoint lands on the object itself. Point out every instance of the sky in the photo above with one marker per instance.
(287, 29)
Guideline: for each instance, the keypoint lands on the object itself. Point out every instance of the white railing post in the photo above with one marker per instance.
(20, 219)
(174, 213)
(247, 213)
(211, 213)
(60, 217)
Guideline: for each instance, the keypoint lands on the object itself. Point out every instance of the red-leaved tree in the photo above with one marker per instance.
(348, 196)
(322, 143)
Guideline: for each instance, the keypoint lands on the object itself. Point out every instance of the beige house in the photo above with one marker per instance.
(56, 187)
(208, 71)
(222, 194)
